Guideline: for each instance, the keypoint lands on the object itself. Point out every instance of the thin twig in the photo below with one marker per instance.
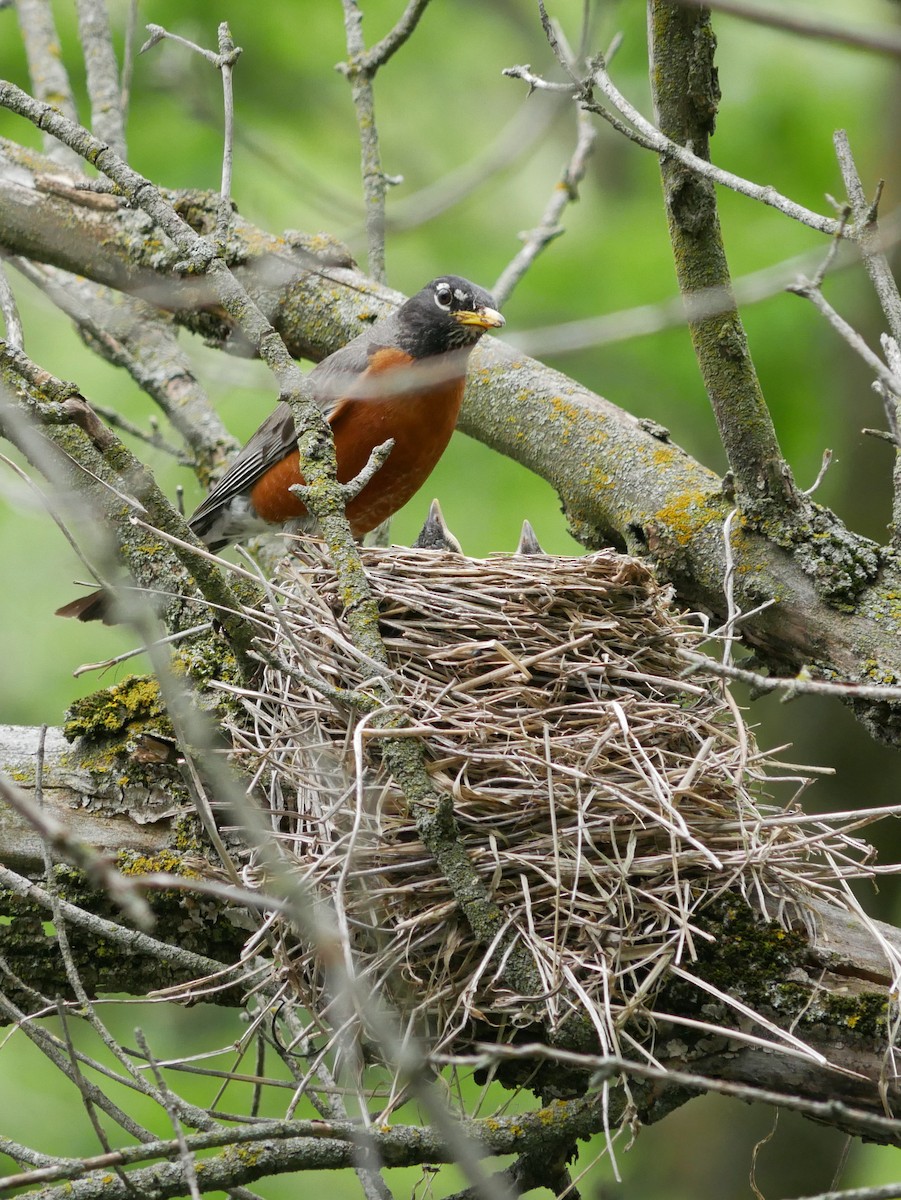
(645, 134)
(733, 612)
(350, 490)
(185, 1157)
(9, 311)
(872, 249)
(106, 663)
(824, 467)
(566, 191)
(228, 56)
(807, 289)
(360, 69)
(798, 685)
(649, 136)
(375, 182)
(224, 61)
(380, 53)
(868, 236)
(154, 438)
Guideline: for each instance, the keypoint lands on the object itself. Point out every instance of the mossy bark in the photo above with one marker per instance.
(686, 94)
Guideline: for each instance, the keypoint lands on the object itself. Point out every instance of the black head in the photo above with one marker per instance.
(449, 313)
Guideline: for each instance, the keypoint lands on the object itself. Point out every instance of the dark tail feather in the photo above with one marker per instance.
(92, 607)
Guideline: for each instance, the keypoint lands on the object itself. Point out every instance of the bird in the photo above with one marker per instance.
(401, 379)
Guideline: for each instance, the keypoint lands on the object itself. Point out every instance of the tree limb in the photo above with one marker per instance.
(618, 481)
(841, 978)
(686, 94)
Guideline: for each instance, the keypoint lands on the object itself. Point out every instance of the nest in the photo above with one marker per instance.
(603, 792)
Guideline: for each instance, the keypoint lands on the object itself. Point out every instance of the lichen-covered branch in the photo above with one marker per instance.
(686, 94)
(620, 482)
(275, 1148)
(325, 500)
(74, 444)
(142, 339)
(836, 1001)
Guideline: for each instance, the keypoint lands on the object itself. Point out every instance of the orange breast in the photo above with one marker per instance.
(270, 496)
(421, 427)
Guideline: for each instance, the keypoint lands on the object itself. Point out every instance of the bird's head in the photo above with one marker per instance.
(449, 313)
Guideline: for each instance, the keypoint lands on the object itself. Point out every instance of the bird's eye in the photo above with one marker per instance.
(443, 296)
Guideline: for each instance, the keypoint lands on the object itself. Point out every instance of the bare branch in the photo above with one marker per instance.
(537, 83)
(810, 290)
(228, 56)
(645, 134)
(353, 487)
(375, 182)
(565, 192)
(223, 61)
(45, 66)
(132, 334)
(627, 120)
(800, 685)
(681, 50)
(152, 438)
(880, 39)
(107, 120)
(284, 1146)
(15, 335)
(131, 942)
(185, 1157)
(379, 54)
(360, 69)
(872, 248)
(107, 471)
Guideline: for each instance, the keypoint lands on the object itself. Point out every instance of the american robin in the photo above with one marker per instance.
(401, 379)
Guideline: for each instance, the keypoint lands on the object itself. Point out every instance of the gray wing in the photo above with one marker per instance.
(330, 380)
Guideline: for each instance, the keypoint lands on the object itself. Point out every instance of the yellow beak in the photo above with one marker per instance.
(485, 318)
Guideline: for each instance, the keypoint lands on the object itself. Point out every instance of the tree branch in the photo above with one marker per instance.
(618, 481)
(360, 69)
(872, 249)
(565, 192)
(107, 119)
(836, 964)
(686, 94)
(132, 334)
(50, 80)
(883, 40)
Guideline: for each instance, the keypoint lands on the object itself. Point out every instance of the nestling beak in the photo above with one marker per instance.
(485, 318)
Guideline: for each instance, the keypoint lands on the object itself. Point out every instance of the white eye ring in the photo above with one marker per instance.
(443, 296)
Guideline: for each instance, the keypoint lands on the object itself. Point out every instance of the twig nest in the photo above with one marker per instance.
(602, 792)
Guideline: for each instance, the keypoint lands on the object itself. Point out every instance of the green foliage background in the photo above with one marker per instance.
(441, 101)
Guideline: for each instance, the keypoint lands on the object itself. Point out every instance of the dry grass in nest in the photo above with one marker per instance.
(603, 794)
